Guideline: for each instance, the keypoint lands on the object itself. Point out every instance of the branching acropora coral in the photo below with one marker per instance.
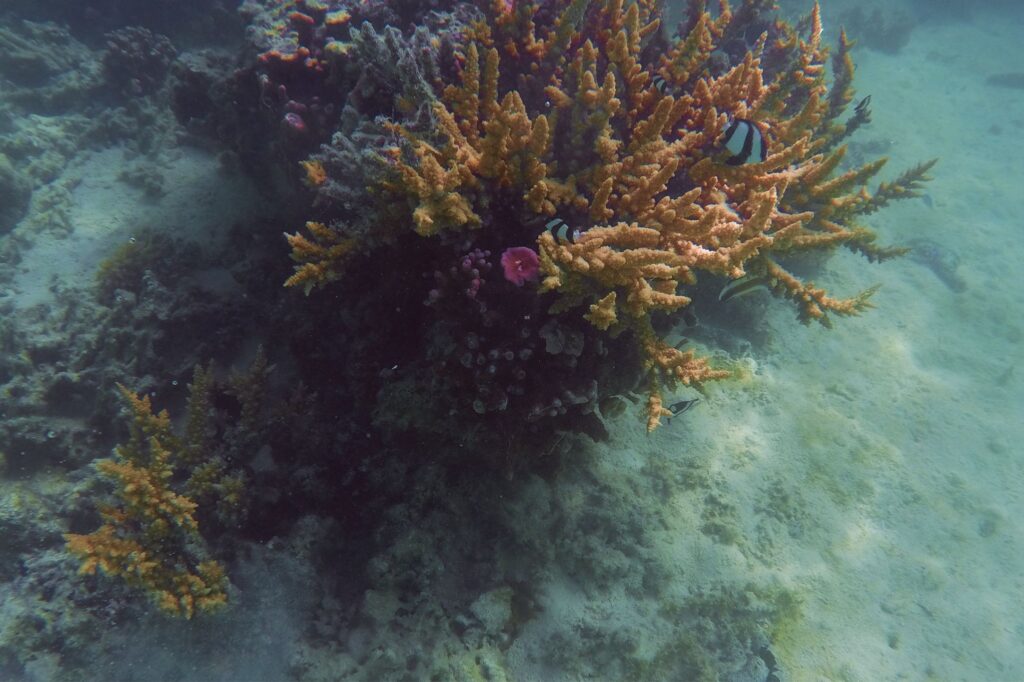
(320, 259)
(151, 538)
(593, 115)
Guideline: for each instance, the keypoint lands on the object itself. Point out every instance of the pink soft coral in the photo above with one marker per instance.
(520, 264)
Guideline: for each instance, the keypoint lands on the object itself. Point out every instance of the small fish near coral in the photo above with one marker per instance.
(863, 109)
(561, 231)
(678, 408)
(743, 286)
(943, 262)
(746, 142)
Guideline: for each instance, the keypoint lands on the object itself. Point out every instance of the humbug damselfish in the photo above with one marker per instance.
(561, 231)
(746, 142)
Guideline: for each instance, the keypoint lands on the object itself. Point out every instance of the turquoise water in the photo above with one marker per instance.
(846, 507)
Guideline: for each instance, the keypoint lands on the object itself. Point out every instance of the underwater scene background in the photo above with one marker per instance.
(619, 340)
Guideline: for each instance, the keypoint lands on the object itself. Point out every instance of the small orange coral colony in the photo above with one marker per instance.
(149, 540)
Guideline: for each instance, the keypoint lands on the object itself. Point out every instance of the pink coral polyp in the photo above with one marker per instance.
(520, 264)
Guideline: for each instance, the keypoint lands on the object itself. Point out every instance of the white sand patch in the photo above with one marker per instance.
(200, 201)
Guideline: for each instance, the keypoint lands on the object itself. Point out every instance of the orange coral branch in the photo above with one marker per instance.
(320, 258)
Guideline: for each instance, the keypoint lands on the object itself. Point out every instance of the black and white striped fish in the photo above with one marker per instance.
(746, 142)
(561, 231)
(743, 286)
(660, 84)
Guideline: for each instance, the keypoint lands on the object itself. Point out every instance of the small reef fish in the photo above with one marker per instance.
(680, 407)
(660, 84)
(746, 142)
(743, 286)
(940, 260)
(561, 231)
(863, 108)
(1007, 80)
